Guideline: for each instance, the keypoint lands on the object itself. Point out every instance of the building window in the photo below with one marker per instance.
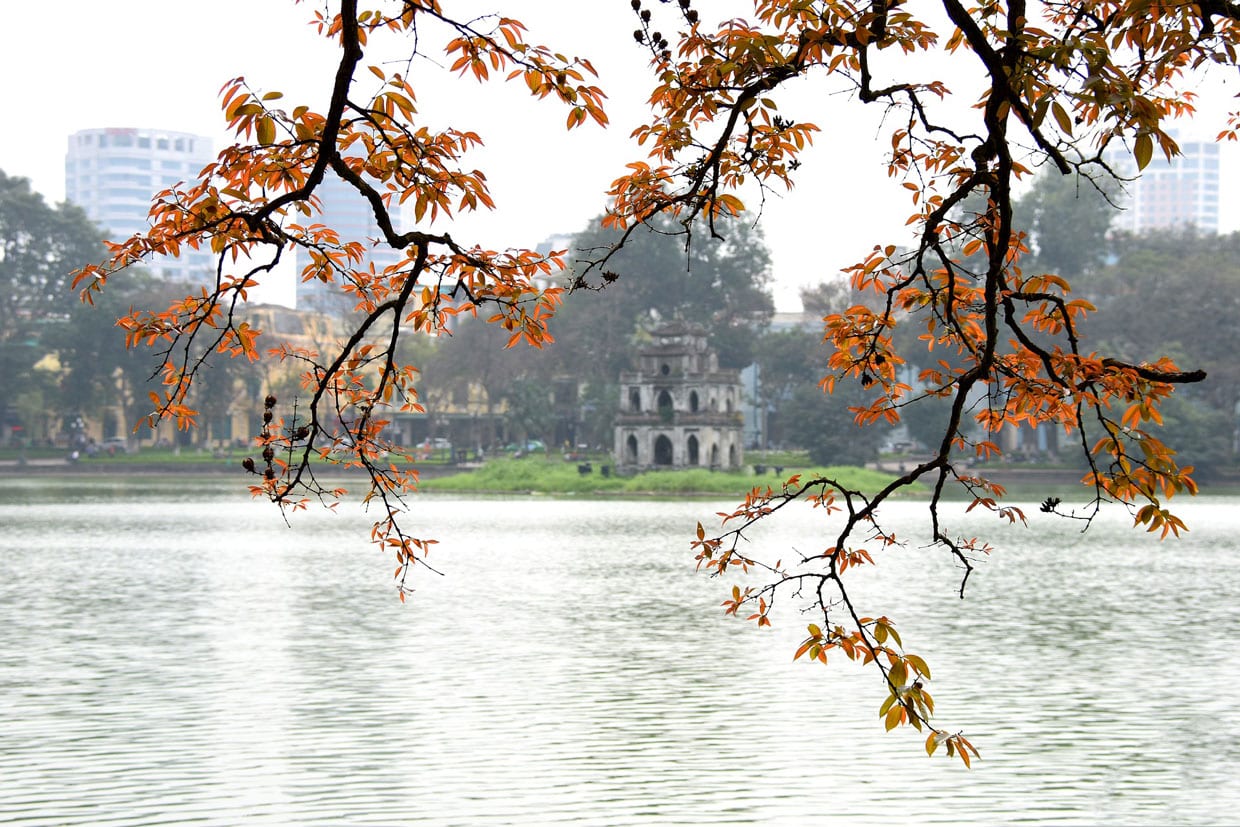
(693, 449)
(693, 404)
(635, 400)
(662, 450)
(630, 450)
(665, 406)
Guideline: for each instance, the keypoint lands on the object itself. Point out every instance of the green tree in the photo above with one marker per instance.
(40, 247)
(530, 413)
(1176, 292)
(787, 360)
(1204, 434)
(99, 371)
(1067, 218)
(825, 425)
(664, 272)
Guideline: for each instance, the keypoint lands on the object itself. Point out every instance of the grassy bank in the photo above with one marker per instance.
(553, 476)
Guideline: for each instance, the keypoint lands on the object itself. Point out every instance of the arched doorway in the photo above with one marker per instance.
(630, 450)
(714, 455)
(693, 449)
(662, 450)
(731, 456)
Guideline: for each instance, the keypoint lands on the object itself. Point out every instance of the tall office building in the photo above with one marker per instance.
(1181, 192)
(113, 173)
(349, 214)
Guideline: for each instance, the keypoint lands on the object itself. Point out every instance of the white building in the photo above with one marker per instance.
(113, 174)
(1181, 192)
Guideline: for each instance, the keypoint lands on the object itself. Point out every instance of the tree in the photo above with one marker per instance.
(790, 365)
(787, 360)
(99, 372)
(40, 246)
(1061, 85)
(1177, 292)
(662, 273)
(1067, 218)
(826, 428)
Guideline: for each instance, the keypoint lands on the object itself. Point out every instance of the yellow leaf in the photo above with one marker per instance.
(1061, 118)
(919, 665)
(1143, 150)
(266, 131)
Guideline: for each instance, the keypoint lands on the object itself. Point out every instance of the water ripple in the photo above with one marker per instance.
(193, 661)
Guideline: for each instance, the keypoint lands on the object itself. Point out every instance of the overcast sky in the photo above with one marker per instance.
(82, 64)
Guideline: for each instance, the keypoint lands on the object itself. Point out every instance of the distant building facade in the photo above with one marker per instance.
(1182, 192)
(349, 214)
(113, 174)
(678, 409)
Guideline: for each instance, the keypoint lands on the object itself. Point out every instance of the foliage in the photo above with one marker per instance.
(661, 273)
(99, 371)
(39, 247)
(1175, 292)
(531, 415)
(555, 476)
(827, 426)
(790, 363)
(1203, 435)
(1067, 218)
(1061, 85)
(787, 360)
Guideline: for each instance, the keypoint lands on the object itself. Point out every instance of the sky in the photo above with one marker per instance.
(161, 63)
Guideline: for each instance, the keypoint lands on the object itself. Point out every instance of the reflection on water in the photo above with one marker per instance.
(183, 657)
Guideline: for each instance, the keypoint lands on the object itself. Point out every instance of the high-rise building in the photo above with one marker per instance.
(112, 174)
(350, 215)
(1181, 192)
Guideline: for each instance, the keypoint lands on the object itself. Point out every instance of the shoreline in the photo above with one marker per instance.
(1034, 483)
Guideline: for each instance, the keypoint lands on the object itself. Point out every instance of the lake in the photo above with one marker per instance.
(173, 653)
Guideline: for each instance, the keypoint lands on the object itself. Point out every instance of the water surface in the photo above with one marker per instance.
(173, 653)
